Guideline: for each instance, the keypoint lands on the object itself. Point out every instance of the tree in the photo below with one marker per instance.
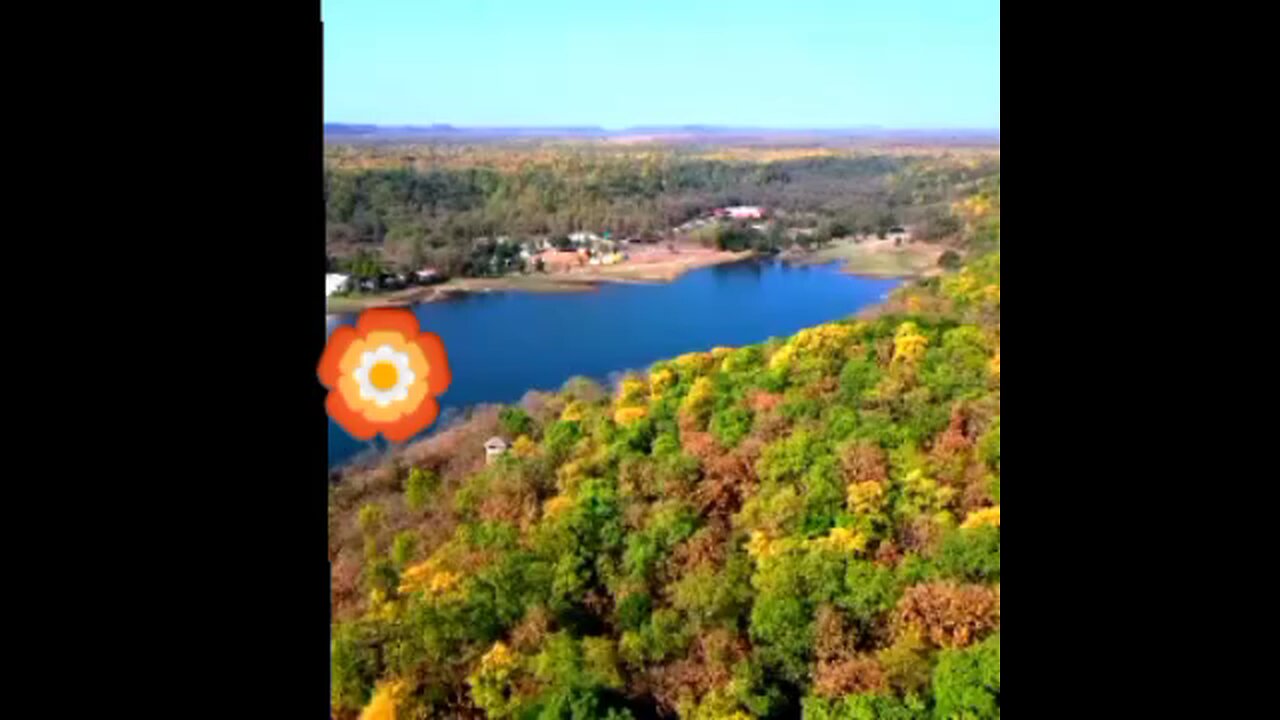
(402, 548)
(949, 260)
(971, 555)
(774, 238)
(354, 665)
(884, 223)
(966, 683)
(950, 615)
(938, 225)
(365, 265)
(515, 421)
(419, 487)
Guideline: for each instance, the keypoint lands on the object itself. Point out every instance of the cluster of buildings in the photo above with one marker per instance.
(584, 248)
(342, 282)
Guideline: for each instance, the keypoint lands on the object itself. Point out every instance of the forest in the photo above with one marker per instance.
(442, 205)
(805, 527)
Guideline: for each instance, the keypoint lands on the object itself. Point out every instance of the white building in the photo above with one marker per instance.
(333, 282)
(745, 211)
(494, 447)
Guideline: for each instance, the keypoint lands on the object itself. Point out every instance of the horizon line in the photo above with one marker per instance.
(661, 126)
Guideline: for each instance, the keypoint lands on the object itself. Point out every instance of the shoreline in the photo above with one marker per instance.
(575, 281)
(369, 458)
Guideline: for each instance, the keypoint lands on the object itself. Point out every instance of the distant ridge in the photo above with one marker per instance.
(692, 131)
(445, 129)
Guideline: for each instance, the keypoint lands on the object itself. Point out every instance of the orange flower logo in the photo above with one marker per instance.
(383, 375)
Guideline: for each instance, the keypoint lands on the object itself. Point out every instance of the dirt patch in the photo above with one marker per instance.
(874, 257)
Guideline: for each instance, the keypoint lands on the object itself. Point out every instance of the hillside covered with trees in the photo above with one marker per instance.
(809, 526)
(443, 204)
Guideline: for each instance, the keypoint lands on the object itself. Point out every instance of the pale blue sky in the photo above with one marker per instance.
(617, 63)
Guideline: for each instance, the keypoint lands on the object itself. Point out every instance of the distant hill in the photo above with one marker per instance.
(370, 132)
(346, 130)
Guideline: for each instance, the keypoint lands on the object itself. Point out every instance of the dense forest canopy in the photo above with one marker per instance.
(809, 526)
(433, 204)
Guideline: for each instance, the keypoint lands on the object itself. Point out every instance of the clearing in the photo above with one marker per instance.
(874, 258)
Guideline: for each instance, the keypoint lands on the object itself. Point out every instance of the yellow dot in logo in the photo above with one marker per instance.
(383, 375)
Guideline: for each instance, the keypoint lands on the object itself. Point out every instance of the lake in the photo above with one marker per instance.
(502, 344)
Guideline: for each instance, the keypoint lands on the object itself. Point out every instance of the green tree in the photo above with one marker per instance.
(354, 664)
(966, 683)
(419, 487)
(365, 265)
(515, 421)
(402, 548)
(971, 555)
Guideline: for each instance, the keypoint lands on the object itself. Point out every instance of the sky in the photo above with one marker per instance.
(920, 64)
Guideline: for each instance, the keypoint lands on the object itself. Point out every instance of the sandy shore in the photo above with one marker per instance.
(647, 265)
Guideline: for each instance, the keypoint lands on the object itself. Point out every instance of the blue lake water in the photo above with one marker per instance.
(504, 343)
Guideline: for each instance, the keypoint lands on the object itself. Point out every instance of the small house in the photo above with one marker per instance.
(493, 448)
